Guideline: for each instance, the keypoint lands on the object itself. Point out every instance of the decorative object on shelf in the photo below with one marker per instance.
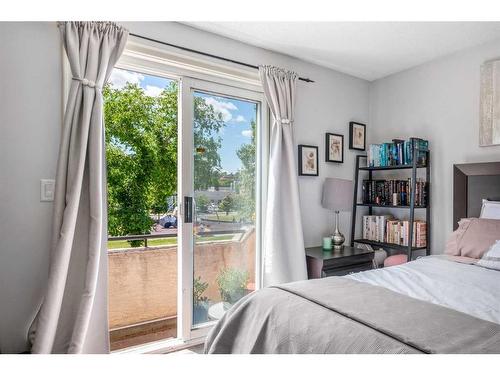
(334, 148)
(200, 302)
(327, 243)
(337, 196)
(308, 160)
(357, 136)
(489, 104)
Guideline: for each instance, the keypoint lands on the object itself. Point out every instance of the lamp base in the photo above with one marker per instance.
(338, 239)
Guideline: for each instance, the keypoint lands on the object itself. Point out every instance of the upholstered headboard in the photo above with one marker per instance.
(472, 183)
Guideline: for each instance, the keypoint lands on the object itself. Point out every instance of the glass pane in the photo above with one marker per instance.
(141, 149)
(224, 191)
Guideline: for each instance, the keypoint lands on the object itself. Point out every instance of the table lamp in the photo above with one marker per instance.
(337, 196)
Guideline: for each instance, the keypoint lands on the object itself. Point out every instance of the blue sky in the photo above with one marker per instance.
(237, 114)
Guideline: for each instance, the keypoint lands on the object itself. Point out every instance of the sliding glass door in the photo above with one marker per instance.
(221, 212)
(184, 205)
(140, 113)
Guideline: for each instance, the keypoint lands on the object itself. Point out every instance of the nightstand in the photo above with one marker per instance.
(339, 262)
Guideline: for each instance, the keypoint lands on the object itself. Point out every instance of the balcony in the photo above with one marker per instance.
(143, 283)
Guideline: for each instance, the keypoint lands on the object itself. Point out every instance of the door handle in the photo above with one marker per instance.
(188, 209)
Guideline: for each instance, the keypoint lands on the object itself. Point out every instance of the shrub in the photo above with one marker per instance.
(232, 284)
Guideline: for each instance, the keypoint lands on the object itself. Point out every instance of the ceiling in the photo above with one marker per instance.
(369, 50)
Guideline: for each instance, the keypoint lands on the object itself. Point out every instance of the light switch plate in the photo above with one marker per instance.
(47, 188)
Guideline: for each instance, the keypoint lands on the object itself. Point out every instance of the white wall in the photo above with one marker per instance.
(438, 101)
(30, 120)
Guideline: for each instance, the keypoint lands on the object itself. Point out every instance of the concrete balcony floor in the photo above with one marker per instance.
(143, 286)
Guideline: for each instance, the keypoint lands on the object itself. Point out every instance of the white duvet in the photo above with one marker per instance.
(463, 287)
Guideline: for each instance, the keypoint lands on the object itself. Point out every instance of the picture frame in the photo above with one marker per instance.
(334, 148)
(489, 125)
(357, 136)
(308, 160)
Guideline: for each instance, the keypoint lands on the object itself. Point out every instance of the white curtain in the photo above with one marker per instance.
(73, 317)
(283, 254)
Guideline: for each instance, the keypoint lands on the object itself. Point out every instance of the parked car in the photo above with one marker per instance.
(212, 207)
(168, 221)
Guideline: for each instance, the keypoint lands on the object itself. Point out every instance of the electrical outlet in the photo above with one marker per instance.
(47, 188)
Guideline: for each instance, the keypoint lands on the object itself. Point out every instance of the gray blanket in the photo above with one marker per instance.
(338, 315)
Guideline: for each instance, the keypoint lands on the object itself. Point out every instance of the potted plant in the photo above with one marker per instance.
(232, 285)
(200, 302)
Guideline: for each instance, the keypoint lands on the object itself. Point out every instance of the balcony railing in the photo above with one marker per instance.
(145, 237)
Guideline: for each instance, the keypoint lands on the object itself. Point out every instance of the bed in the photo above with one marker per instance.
(435, 304)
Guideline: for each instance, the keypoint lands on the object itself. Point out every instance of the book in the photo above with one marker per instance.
(393, 192)
(374, 227)
(398, 152)
(385, 228)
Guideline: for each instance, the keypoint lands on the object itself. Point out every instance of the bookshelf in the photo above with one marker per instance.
(386, 168)
(412, 168)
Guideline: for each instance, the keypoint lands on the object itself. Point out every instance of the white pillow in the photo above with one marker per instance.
(490, 210)
(491, 259)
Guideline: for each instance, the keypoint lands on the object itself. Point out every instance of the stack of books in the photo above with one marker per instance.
(398, 152)
(387, 229)
(374, 227)
(397, 232)
(393, 192)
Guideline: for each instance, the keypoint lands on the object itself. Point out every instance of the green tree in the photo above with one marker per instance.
(227, 204)
(141, 152)
(202, 203)
(207, 142)
(246, 176)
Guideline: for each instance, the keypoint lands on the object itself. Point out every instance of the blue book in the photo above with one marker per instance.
(407, 152)
(386, 154)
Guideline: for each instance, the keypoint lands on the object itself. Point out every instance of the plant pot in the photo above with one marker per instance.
(235, 295)
(200, 313)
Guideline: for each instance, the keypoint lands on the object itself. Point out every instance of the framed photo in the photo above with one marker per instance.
(357, 136)
(308, 160)
(334, 148)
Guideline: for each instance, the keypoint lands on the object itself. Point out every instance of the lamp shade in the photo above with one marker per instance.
(337, 194)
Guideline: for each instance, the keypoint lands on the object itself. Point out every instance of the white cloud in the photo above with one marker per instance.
(239, 118)
(153, 90)
(247, 133)
(119, 78)
(222, 107)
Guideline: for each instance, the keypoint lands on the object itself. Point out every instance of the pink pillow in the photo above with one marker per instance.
(395, 260)
(473, 237)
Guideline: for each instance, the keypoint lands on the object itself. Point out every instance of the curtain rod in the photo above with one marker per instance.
(207, 54)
